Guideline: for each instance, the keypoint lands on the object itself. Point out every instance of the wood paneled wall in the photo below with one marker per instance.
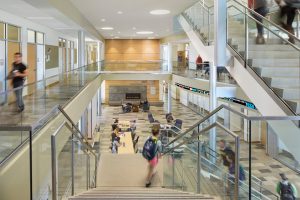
(150, 86)
(140, 50)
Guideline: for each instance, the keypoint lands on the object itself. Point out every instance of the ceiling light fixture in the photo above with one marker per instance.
(133, 28)
(151, 38)
(107, 28)
(120, 12)
(103, 20)
(144, 32)
(116, 37)
(160, 12)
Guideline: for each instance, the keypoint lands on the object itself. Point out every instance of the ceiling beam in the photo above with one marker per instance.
(70, 11)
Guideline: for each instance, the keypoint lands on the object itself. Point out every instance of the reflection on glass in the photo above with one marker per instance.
(13, 33)
(2, 30)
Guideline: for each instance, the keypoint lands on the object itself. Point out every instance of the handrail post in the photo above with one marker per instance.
(96, 169)
(72, 166)
(87, 172)
(30, 165)
(198, 166)
(246, 38)
(173, 170)
(250, 156)
(54, 168)
(237, 167)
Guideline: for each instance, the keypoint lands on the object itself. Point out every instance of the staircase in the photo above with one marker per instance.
(272, 78)
(141, 193)
(277, 63)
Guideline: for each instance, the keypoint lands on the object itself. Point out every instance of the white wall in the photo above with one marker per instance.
(51, 36)
(192, 56)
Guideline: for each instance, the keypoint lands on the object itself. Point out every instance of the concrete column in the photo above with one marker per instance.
(170, 61)
(81, 48)
(220, 10)
(169, 97)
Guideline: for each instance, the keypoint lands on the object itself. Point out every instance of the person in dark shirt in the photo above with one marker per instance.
(18, 75)
(224, 151)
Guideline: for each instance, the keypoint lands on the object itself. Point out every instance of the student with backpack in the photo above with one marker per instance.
(151, 152)
(285, 189)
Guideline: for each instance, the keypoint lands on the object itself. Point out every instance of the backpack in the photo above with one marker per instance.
(242, 175)
(286, 191)
(150, 149)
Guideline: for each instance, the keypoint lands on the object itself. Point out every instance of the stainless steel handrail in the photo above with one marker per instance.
(291, 44)
(237, 150)
(265, 19)
(242, 115)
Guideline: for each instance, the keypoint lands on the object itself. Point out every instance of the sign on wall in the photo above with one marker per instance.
(51, 56)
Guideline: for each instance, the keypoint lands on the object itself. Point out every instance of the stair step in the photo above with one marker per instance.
(267, 62)
(277, 71)
(274, 54)
(288, 93)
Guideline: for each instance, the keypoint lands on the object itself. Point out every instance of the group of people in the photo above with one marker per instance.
(285, 189)
(115, 135)
(129, 107)
(288, 9)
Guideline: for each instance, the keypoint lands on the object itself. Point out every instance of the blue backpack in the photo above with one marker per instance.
(150, 149)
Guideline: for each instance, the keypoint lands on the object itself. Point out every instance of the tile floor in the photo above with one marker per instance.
(263, 167)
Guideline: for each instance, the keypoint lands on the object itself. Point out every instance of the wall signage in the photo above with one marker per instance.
(230, 99)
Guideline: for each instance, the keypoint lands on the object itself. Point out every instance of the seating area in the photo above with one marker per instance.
(124, 139)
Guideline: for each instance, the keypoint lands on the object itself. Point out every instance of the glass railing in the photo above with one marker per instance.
(274, 61)
(253, 144)
(73, 165)
(191, 70)
(130, 66)
(40, 99)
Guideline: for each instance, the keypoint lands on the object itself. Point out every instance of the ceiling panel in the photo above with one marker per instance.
(135, 13)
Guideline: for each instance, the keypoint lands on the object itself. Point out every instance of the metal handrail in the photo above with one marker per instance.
(265, 19)
(83, 141)
(242, 115)
(256, 21)
(237, 150)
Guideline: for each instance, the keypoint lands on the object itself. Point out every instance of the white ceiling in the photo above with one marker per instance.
(33, 12)
(135, 14)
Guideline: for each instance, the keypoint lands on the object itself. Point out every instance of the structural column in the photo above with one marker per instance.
(169, 97)
(99, 56)
(220, 10)
(99, 103)
(81, 48)
(170, 61)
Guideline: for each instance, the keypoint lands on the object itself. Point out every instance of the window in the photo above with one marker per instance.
(2, 31)
(13, 33)
(39, 38)
(30, 36)
(62, 42)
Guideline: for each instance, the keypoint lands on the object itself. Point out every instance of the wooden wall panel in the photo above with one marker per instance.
(140, 50)
(150, 86)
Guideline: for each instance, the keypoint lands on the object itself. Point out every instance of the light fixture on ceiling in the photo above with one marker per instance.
(107, 28)
(151, 38)
(119, 32)
(120, 12)
(144, 32)
(103, 20)
(41, 18)
(116, 37)
(133, 28)
(159, 12)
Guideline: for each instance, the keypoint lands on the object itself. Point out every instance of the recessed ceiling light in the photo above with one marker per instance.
(144, 32)
(120, 12)
(103, 20)
(119, 32)
(159, 12)
(107, 28)
(133, 28)
(42, 18)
